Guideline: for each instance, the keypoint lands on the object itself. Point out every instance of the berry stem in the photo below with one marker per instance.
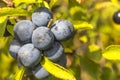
(49, 23)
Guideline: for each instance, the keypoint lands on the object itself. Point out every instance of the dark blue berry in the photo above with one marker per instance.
(39, 72)
(62, 29)
(41, 16)
(28, 55)
(23, 31)
(55, 52)
(116, 17)
(42, 38)
(14, 48)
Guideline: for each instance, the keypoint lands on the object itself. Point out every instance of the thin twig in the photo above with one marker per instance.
(49, 23)
(8, 2)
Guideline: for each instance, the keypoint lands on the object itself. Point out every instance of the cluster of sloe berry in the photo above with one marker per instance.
(33, 39)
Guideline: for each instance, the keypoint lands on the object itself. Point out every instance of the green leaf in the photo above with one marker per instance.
(3, 21)
(90, 67)
(13, 12)
(83, 39)
(106, 4)
(94, 53)
(19, 74)
(52, 3)
(93, 47)
(107, 74)
(77, 71)
(5, 49)
(17, 2)
(75, 9)
(10, 29)
(78, 13)
(82, 25)
(112, 52)
(57, 70)
(46, 4)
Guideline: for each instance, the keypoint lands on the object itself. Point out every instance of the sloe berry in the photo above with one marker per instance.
(41, 16)
(55, 52)
(28, 55)
(116, 17)
(23, 31)
(42, 38)
(14, 48)
(62, 30)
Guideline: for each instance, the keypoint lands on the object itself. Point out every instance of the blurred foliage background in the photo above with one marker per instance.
(94, 31)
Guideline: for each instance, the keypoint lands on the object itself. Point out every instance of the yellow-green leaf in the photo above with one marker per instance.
(46, 4)
(115, 1)
(82, 25)
(56, 70)
(93, 47)
(17, 2)
(3, 21)
(19, 74)
(13, 12)
(112, 52)
(106, 5)
(83, 39)
(10, 29)
(75, 9)
(52, 3)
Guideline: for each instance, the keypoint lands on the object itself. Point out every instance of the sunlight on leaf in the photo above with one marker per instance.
(17, 2)
(105, 5)
(115, 1)
(93, 47)
(82, 25)
(13, 12)
(19, 74)
(52, 3)
(2, 42)
(3, 21)
(80, 1)
(46, 4)
(83, 39)
(57, 70)
(112, 52)
(75, 9)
